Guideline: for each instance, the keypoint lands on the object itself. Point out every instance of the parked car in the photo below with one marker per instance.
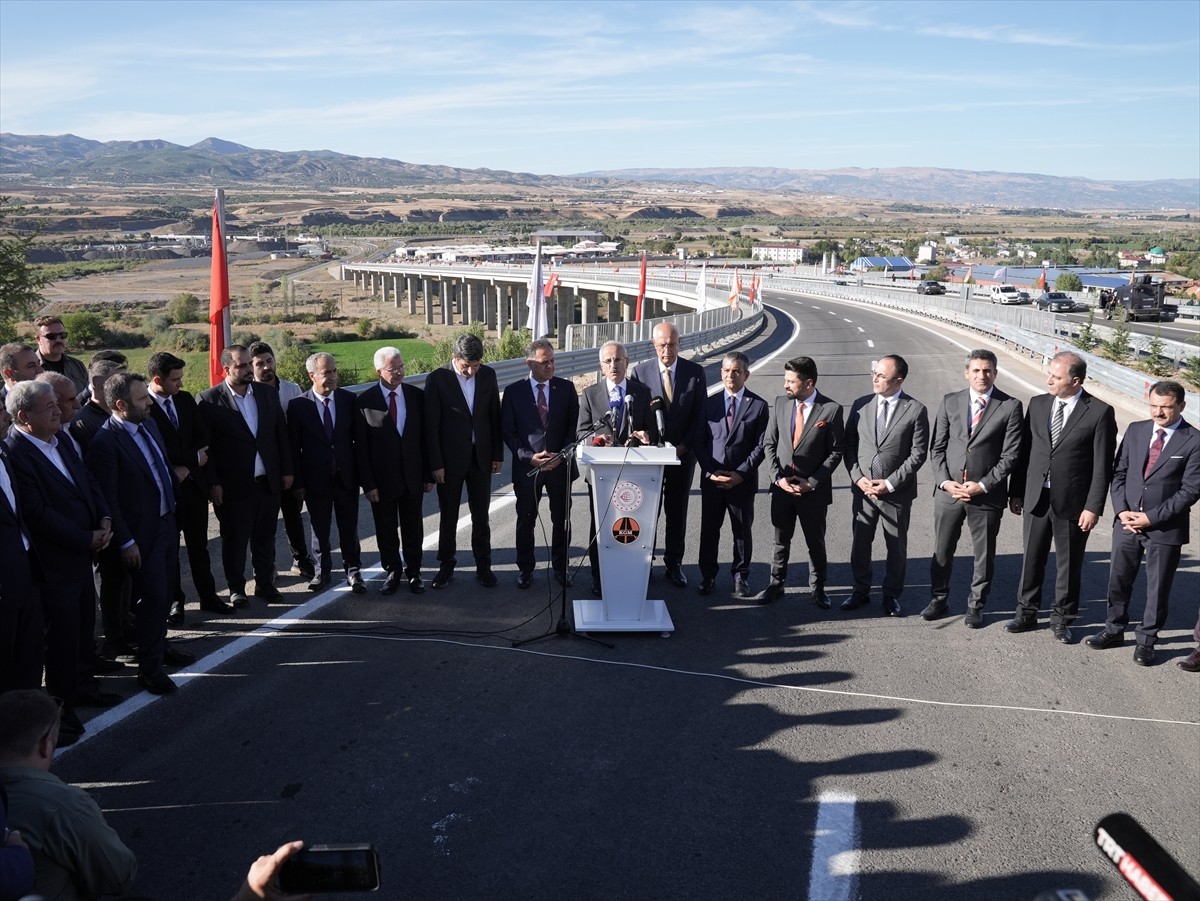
(1005, 294)
(1055, 302)
(1025, 298)
(930, 287)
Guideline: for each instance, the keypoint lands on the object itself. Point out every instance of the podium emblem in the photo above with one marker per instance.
(627, 497)
(626, 530)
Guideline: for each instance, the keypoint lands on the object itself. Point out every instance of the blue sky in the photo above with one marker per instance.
(1105, 90)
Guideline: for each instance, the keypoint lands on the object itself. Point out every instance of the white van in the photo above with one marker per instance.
(1006, 294)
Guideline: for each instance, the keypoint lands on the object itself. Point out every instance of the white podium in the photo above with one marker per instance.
(626, 485)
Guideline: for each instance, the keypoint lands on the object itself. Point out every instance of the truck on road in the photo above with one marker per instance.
(1141, 299)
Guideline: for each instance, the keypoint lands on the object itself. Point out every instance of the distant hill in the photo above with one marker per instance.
(61, 159)
(944, 186)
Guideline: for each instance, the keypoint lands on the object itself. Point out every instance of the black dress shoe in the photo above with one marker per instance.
(855, 601)
(524, 580)
(1017, 626)
(69, 722)
(390, 583)
(1143, 655)
(486, 577)
(1190, 663)
(773, 592)
(562, 580)
(1062, 634)
(94, 697)
(157, 683)
(104, 665)
(267, 592)
(306, 568)
(416, 584)
(216, 605)
(175, 617)
(357, 585)
(974, 618)
(238, 599)
(444, 574)
(740, 588)
(891, 607)
(175, 657)
(1105, 639)
(675, 574)
(934, 610)
(821, 599)
(707, 585)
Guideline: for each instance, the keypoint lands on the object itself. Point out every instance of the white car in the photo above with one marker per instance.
(1005, 294)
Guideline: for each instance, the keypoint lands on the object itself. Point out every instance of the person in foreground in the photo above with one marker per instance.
(1155, 485)
(76, 854)
(260, 882)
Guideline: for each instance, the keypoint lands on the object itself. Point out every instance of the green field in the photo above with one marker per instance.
(355, 359)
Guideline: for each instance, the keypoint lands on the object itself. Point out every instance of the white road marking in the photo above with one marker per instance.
(861, 329)
(835, 854)
(851, 321)
(870, 343)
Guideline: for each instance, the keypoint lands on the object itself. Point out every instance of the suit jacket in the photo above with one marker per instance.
(182, 444)
(988, 454)
(821, 445)
(1167, 493)
(450, 425)
(232, 445)
(690, 392)
(60, 513)
(385, 460)
(87, 422)
(127, 483)
(739, 449)
(521, 426)
(901, 451)
(1079, 467)
(20, 570)
(313, 453)
(593, 405)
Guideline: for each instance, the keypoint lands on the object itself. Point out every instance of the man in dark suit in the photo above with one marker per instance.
(185, 437)
(129, 461)
(804, 445)
(94, 412)
(728, 442)
(976, 443)
(250, 464)
(887, 442)
(21, 645)
(390, 461)
(680, 385)
(538, 416)
(622, 407)
(1155, 484)
(463, 448)
(1060, 484)
(68, 522)
(321, 427)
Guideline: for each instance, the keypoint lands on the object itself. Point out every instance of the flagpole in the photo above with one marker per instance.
(220, 323)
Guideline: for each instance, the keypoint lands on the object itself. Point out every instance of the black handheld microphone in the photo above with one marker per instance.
(659, 419)
(1142, 861)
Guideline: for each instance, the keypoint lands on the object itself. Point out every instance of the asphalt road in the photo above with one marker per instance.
(759, 752)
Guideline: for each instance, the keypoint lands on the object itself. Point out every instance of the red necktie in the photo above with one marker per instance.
(1156, 450)
(392, 407)
(978, 417)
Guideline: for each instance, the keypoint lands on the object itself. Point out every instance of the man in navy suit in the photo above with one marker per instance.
(390, 461)
(321, 428)
(68, 522)
(1154, 487)
(1060, 483)
(680, 385)
(250, 464)
(464, 449)
(729, 449)
(538, 416)
(20, 605)
(623, 407)
(804, 447)
(129, 460)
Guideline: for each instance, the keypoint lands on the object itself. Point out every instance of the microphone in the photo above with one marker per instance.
(1142, 861)
(659, 419)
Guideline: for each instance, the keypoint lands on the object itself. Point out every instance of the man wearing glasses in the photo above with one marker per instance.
(622, 406)
(52, 352)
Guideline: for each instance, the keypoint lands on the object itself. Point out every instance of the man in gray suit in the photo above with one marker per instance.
(976, 444)
(887, 442)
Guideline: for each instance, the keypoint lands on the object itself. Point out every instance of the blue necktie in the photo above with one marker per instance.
(164, 474)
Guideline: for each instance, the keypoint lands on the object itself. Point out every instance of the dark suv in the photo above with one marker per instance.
(930, 287)
(1055, 302)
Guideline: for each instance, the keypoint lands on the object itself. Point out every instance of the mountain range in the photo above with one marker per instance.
(69, 159)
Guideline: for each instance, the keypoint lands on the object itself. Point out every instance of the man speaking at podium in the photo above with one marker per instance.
(622, 409)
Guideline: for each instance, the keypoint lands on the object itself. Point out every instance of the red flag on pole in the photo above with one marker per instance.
(1042, 280)
(735, 289)
(220, 327)
(637, 316)
(551, 284)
